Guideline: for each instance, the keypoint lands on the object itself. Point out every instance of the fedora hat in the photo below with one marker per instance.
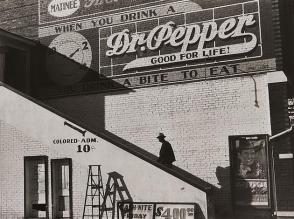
(161, 135)
(245, 144)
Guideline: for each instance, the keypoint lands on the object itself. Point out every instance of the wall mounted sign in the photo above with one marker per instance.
(63, 8)
(57, 10)
(183, 40)
(118, 18)
(174, 42)
(250, 170)
(152, 210)
(74, 46)
(154, 79)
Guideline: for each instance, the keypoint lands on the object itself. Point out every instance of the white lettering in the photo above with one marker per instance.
(168, 34)
(119, 42)
(178, 34)
(226, 28)
(190, 38)
(159, 35)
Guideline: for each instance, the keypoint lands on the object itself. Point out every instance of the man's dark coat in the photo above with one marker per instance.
(166, 154)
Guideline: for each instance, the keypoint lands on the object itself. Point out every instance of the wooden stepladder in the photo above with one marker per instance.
(94, 193)
(115, 186)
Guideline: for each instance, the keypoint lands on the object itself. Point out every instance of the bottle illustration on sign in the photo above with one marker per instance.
(77, 48)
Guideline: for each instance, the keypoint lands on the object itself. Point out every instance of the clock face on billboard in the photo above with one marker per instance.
(77, 49)
(73, 45)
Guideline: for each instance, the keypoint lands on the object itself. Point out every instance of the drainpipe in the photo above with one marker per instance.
(273, 169)
(281, 134)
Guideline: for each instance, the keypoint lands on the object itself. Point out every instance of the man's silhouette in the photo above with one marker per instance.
(166, 154)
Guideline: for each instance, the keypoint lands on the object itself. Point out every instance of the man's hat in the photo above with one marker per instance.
(245, 144)
(161, 135)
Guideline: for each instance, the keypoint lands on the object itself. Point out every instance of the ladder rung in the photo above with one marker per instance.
(108, 209)
(122, 188)
(96, 187)
(94, 206)
(127, 201)
(89, 215)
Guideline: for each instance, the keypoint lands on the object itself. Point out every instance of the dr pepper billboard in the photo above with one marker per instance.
(144, 43)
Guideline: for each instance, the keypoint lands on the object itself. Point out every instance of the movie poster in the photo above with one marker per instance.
(250, 170)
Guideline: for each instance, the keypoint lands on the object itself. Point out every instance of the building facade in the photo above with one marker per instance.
(101, 79)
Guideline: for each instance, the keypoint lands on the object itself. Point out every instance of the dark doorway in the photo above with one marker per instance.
(36, 187)
(61, 188)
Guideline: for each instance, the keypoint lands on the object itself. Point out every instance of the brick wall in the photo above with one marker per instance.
(20, 17)
(14, 145)
(197, 119)
(33, 135)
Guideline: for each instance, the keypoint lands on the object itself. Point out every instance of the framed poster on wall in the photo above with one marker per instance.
(250, 170)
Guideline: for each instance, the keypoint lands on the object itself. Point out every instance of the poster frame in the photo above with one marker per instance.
(233, 159)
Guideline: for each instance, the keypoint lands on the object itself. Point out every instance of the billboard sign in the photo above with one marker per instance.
(51, 11)
(250, 168)
(172, 42)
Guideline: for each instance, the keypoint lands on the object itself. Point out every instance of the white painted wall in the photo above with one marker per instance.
(28, 130)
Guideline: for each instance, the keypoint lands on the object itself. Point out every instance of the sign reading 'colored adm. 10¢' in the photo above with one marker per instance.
(168, 42)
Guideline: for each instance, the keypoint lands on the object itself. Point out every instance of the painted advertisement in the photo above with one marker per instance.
(177, 42)
(250, 167)
(57, 10)
(183, 39)
(158, 210)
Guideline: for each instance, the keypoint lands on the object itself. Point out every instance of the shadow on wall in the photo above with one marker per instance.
(223, 209)
(61, 86)
(225, 206)
(73, 88)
